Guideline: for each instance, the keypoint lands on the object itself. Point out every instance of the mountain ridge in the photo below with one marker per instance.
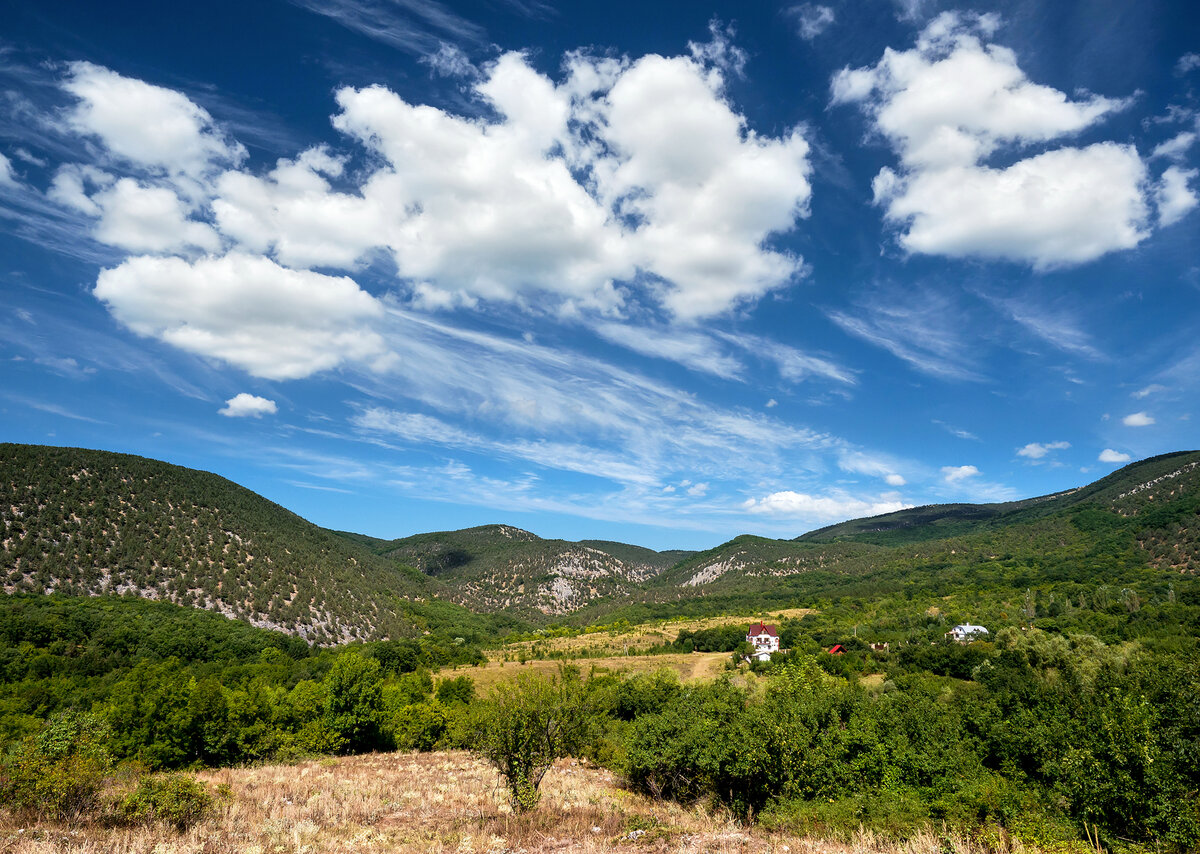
(86, 522)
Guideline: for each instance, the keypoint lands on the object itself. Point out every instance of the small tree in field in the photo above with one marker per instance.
(522, 726)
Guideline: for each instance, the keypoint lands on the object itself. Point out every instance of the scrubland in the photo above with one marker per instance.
(404, 803)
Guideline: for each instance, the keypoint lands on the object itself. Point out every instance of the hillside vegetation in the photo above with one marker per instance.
(497, 567)
(1134, 530)
(87, 522)
(92, 522)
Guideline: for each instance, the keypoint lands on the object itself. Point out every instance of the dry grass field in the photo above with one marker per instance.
(439, 803)
(694, 665)
(636, 639)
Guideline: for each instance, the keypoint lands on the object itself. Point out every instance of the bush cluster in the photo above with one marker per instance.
(66, 773)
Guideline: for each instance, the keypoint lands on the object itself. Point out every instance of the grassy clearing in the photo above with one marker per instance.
(635, 639)
(440, 803)
(695, 665)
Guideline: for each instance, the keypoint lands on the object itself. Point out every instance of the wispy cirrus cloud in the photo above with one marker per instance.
(957, 432)
(1055, 325)
(794, 365)
(966, 481)
(923, 328)
(1147, 391)
(692, 348)
(413, 26)
(52, 409)
(872, 465)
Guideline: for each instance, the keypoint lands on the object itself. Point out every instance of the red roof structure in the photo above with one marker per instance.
(762, 629)
(837, 649)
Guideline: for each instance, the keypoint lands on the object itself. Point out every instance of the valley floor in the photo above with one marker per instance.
(439, 803)
(693, 665)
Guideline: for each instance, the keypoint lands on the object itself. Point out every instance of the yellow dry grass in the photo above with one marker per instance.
(437, 803)
(635, 639)
(694, 665)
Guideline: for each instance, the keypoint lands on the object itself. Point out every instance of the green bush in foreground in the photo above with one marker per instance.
(60, 772)
(66, 773)
(176, 799)
(521, 727)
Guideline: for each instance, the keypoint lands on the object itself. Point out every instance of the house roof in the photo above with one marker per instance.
(762, 629)
(968, 629)
(836, 649)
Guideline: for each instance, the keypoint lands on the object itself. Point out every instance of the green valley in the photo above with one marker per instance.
(196, 625)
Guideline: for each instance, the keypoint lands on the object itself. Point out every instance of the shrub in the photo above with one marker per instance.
(521, 727)
(354, 701)
(460, 690)
(177, 799)
(61, 771)
(705, 744)
(419, 726)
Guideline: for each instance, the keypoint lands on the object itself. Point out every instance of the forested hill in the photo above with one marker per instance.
(1144, 484)
(1135, 530)
(82, 522)
(495, 567)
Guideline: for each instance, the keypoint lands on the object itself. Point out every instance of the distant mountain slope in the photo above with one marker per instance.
(750, 557)
(936, 521)
(85, 522)
(496, 567)
(1145, 516)
(82, 521)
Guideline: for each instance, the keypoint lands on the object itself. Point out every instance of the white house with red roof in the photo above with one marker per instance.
(764, 639)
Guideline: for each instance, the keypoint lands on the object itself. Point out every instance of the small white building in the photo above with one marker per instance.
(965, 633)
(764, 639)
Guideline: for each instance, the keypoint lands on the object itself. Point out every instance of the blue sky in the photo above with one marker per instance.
(662, 273)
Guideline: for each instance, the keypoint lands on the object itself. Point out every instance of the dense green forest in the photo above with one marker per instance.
(180, 687)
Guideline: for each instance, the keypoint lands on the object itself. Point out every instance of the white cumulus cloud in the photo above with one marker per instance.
(149, 219)
(248, 405)
(811, 19)
(1038, 450)
(499, 211)
(957, 474)
(570, 195)
(822, 508)
(246, 310)
(950, 103)
(145, 124)
(1174, 196)
(1108, 455)
(1138, 419)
